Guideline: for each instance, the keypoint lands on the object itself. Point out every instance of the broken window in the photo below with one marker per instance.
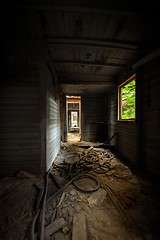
(127, 99)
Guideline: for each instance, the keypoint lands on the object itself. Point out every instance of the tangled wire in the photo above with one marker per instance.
(97, 160)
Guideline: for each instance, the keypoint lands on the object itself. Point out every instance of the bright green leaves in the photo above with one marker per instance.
(127, 98)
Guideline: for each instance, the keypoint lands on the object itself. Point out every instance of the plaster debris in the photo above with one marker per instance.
(97, 198)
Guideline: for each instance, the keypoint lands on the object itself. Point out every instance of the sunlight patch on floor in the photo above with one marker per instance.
(73, 137)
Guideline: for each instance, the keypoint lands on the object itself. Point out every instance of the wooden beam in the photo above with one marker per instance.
(52, 228)
(117, 11)
(146, 59)
(99, 83)
(95, 64)
(81, 76)
(91, 43)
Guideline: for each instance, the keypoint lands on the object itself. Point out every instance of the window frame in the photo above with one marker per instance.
(133, 77)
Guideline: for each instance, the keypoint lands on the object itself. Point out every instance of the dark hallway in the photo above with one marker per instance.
(79, 95)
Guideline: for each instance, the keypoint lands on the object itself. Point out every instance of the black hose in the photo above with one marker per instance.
(74, 178)
(87, 176)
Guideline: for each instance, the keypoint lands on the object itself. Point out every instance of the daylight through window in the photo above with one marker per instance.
(127, 99)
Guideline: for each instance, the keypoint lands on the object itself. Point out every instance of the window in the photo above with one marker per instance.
(127, 99)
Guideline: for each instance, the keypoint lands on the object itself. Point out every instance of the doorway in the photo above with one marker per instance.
(73, 118)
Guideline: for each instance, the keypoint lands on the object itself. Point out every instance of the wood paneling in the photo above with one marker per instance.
(53, 122)
(92, 25)
(126, 143)
(111, 113)
(19, 125)
(93, 118)
(151, 116)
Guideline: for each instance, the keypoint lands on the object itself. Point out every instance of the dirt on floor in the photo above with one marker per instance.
(88, 194)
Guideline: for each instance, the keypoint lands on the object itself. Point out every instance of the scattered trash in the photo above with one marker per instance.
(64, 196)
(73, 192)
(52, 228)
(77, 208)
(90, 195)
(97, 198)
(65, 230)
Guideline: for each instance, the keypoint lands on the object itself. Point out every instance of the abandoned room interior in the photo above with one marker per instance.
(79, 120)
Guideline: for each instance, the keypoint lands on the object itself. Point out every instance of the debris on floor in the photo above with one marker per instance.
(79, 227)
(87, 194)
(97, 198)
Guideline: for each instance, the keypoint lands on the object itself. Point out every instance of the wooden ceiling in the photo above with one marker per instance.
(92, 43)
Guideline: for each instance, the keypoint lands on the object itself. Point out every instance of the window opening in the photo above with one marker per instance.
(127, 99)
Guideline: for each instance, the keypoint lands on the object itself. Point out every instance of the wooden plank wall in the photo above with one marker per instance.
(53, 139)
(93, 118)
(151, 117)
(111, 114)
(20, 106)
(127, 133)
(19, 125)
(125, 142)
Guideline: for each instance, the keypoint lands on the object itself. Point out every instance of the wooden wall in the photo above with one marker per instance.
(93, 118)
(150, 137)
(139, 141)
(19, 128)
(125, 142)
(29, 109)
(19, 110)
(127, 133)
(53, 133)
(111, 114)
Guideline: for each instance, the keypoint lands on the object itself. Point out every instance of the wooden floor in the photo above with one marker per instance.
(125, 207)
(110, 201)
(73, 137)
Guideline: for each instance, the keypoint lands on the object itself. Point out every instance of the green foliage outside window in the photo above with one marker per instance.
(128, 92)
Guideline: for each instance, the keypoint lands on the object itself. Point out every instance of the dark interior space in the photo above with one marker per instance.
(79, 120)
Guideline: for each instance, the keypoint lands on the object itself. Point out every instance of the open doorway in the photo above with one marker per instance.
(73, 118)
